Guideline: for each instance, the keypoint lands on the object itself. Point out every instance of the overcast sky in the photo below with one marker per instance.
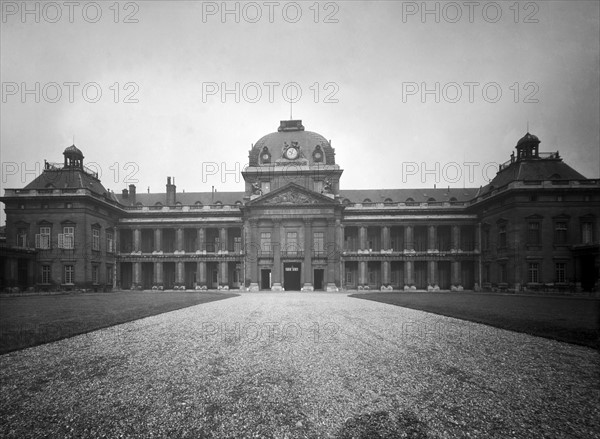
(369, 62)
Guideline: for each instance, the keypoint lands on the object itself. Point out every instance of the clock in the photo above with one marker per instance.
(265, 157)
(291, 153)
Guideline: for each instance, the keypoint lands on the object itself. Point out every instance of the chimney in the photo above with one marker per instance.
(125, 194)
(132, 193)
(170, 192)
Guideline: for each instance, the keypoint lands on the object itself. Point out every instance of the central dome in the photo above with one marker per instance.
(291, 132)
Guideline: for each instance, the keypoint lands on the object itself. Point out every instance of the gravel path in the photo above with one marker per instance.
(301, 365)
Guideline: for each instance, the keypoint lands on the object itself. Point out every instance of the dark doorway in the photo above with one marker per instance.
(291, 276)
(147, 275)
(168, 275)
(318, 275)
(190, 275)
(265, 279)
(588, 273)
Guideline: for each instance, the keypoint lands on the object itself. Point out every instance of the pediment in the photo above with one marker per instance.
(292, 195)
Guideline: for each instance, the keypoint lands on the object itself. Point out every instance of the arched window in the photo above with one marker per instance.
(346, 201)
(367, 200)
(431, 200)
(453, 199)
(388, 201)
(410, 200)
(198, 204)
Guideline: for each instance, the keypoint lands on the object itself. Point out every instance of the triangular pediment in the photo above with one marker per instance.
(292, 195)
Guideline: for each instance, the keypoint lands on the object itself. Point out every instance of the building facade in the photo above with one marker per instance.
(534, 226)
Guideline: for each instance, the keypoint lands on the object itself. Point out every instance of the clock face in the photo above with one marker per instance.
(265, 156)
(291, 153)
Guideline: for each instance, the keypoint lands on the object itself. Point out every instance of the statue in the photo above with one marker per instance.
(256, 190)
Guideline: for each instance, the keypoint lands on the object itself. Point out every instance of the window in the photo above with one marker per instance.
(533, 272)
(587, 232)
(502, 273)
(109, 274)
(265, 242)
(486, 238)
(68, 205)
(349, 276)
(69, 274)
(292, 242)
(96, 239)
(22, 237)
(560, 232)
(237, 244)
(42, 240)
(319, 242)
(560, 270)
(533, 233)
(502, 236)
(95, 271)
(110, 242)
(45, 274)
(66, 239)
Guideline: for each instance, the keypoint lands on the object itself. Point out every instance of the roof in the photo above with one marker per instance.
(73, 150)
(401, 195)
(536, 169)
(185, 198)
(68, 178)
(307, 141)
(528, 138)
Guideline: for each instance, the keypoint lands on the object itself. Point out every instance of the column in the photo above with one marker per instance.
(201, 274)
(252, 251)
(432, 273)
(385, 272)
(179, 273)
(117, 240)
(276, 243)
(409, 243)
(431, 239)
(137, 239)
(337, 252)
(224, 268)
(158, 274)
(157, 240)
(362, 238)
(455, 238)
(179, 240)
(385, 238)
(137, 274)
(308, 238)
(331, 260)
(223, 240)
(409, 274)
(362, 273)
(200, 239)
(455, 274)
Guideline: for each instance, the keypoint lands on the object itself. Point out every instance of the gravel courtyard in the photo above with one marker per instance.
(301, 365)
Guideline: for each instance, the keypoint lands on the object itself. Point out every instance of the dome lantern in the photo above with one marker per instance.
(73, 157)
(528, 146)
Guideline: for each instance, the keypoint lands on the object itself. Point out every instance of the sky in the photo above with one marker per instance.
(411, 94)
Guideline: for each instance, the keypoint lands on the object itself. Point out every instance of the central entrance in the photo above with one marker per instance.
(291, 276)
(318, 278)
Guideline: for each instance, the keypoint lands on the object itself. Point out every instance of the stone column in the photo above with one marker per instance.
(331, 260)
(252, 253)
(180, 273)
(431, 239)
(385, 238)
(158, 274)
(117, 240)
(137, 240)
(432, 273)
(158, 240)
(409, 273)
(224, 267)
(362, 238)
(455, 274)
(409, 243)
(179, 240)
(385, 272)
(200, 240)
(308, 245)
(455, 238)
(137, 274)
(201, 274)
(362, 273)
(276, 243)
(223, 240)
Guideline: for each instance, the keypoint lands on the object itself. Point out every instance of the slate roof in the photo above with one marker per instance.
(307, 140)
(402, 195)
(69, 178)
(534, 170)
(185, 198)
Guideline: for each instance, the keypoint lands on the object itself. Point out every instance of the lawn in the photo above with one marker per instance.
(32, 320)
(573, 320)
